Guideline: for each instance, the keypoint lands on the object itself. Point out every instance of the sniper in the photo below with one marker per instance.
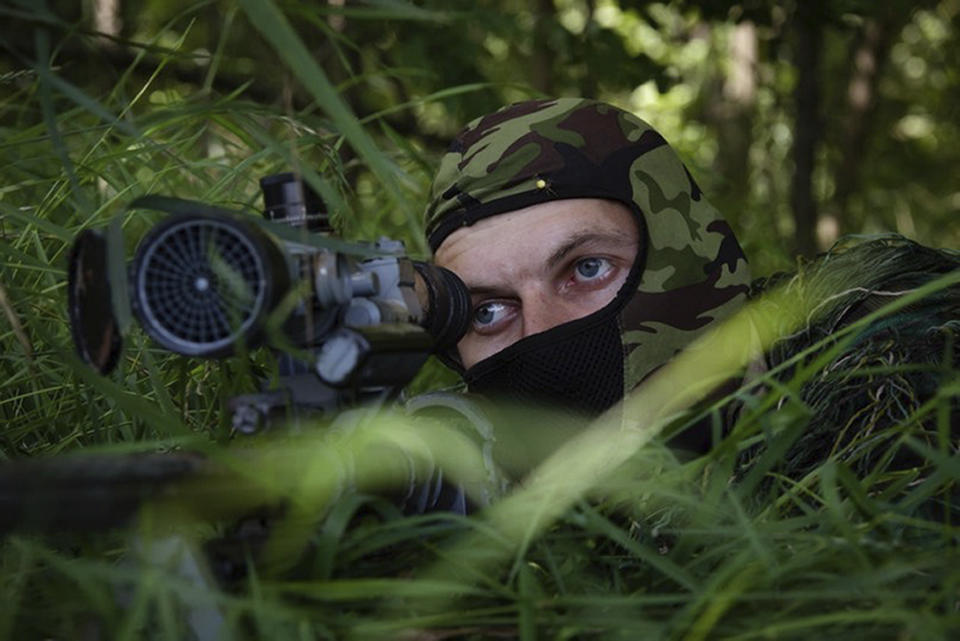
(593, 259)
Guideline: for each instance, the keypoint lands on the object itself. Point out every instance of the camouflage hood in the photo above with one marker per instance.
(690, 271)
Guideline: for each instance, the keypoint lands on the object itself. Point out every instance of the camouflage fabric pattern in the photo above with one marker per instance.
(693, 272)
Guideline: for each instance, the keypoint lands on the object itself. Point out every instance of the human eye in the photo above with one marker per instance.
(591, 269)
(489, 316)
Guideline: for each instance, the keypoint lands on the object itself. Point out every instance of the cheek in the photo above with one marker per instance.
(469, 349)
(473, 348)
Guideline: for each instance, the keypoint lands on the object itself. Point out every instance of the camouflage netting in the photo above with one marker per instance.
(690, 272)
(893, 381)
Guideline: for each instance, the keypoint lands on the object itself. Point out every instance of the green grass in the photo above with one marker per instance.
(611, 536)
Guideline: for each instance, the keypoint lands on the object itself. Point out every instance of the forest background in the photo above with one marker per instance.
(802, 121)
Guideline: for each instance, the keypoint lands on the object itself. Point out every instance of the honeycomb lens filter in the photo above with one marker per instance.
(203, 283)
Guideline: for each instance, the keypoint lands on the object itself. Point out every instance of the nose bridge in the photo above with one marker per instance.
(540, 309)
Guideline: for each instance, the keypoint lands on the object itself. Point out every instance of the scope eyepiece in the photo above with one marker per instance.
(447, 308)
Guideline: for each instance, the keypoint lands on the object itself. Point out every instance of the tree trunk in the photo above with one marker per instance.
(337, 21)
(808, 41)
(541, 61)
(869, 53)
(107, 22)
(735, 118)
(106, 17)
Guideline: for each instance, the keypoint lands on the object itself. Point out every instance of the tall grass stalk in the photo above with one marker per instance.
(610, 535)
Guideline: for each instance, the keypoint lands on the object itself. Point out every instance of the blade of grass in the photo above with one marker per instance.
(270, 21)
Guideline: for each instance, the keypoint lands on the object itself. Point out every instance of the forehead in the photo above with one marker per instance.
(529, 236)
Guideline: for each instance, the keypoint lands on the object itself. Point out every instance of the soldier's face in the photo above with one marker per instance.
(538, 267)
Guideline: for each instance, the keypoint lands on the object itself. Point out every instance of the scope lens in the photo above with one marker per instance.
(448, 309)
(96, 333)
(203, 283)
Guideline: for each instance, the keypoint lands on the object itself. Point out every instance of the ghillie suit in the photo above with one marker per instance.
(875, 390)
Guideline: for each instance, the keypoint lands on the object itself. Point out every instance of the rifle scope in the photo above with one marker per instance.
(201, 284)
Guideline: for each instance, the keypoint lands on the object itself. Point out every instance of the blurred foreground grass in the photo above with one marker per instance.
(611, 536)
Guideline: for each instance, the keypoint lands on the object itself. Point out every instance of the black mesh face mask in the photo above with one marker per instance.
(577, 366)
(579, 369)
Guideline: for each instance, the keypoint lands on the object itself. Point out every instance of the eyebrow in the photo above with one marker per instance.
(585, 237)
(486, 290)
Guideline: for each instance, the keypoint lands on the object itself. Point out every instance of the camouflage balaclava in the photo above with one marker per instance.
(689, 274)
